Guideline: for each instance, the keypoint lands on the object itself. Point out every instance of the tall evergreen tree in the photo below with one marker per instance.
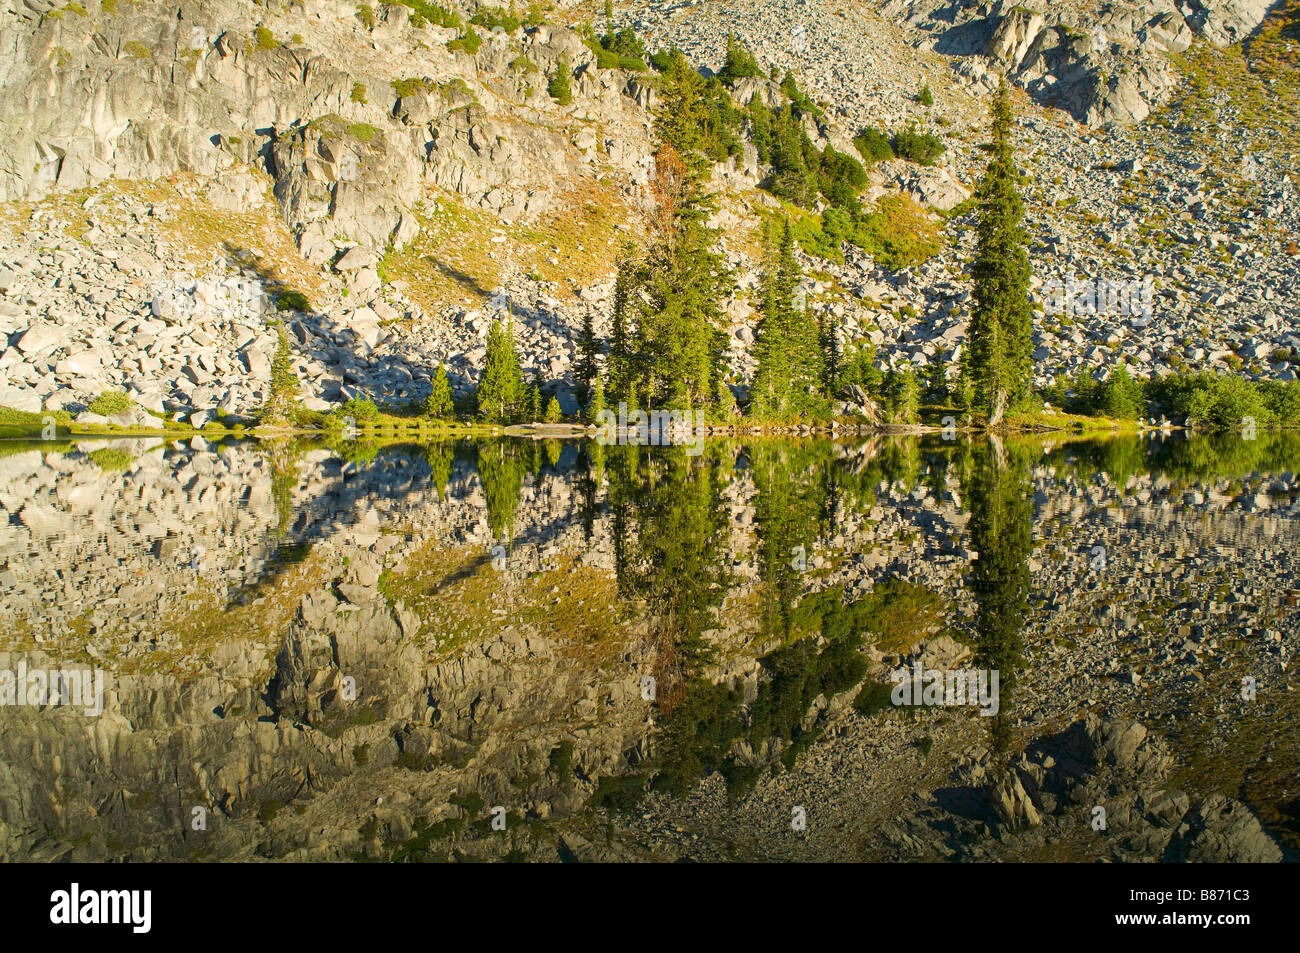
(596, 405)
(668, 344)
(682, 118)
(904, 398)
(586, 369)
(500, 393)
(532, 409)
(830, 345)
(789, 378)
(1001, 325)
(283, 392)
(439, 404)
(619, 347)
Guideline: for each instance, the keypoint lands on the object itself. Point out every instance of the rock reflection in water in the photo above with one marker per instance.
(360, 651)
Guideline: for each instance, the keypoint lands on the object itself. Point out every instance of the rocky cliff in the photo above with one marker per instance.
(176, 178)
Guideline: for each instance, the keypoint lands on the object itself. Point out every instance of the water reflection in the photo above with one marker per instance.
(998, 491)
(637, 652)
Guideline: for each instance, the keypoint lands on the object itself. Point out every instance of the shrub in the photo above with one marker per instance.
(110, 403)
(874, 146)
(1282, 398)
(523, 64)
(558, 87)
(898, 613)
(492, 17)
(266, 39)
(919, 147)
(359, 93)
(292, 301)
(739, 62)
(873, 698)
(359, 409)
(925, 97)
(899, 233)
(366, 14)
(660, 61)
(1217, 402)
(439, 16)
(467, 42)
(408, 87)
(842, 177)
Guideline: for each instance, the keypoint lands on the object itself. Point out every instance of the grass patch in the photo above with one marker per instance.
(110, 403)
(111, 459)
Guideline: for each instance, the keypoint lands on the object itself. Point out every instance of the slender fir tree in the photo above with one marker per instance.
(596, 405)
(586, 369)
(830, 345)
(667, 315)
(283, 392)
(439, 404)
(619, 357)
(1001, 325)
(789, 380)
(500, 393)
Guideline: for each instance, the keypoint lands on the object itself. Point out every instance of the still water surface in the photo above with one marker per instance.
(554, 650)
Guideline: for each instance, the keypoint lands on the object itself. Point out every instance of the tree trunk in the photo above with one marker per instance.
(999, 407)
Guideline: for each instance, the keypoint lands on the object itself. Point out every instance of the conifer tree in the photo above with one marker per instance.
(725, 405)
(830, 345)
(739, 62)
(905, 398)
(619, 358)
(682, 122)
(789, 380)
(558, 87)
(999, 497)
(1001, 321)
(553, 412)
(586, 369)
(284, 383)
(439, 404)
(532, 411)
(500, 393)
(667, 311)
(936, 382)
(596, 405)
